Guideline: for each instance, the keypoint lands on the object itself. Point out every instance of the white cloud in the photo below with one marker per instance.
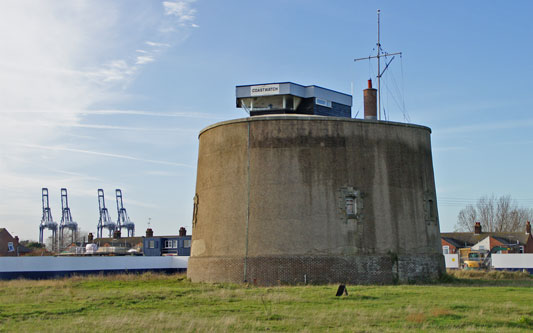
(156, 44)
(85, 112)
(179, 8)
(66, 124)
(182, 10)
(104, 154)
(59, 60)
(144, 60)
(113, 71)
(198, 115)
(54, 57)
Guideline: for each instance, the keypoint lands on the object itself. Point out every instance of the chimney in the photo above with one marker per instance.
(90, 238)
(17, 244)
(116, 234)
(370, 101)
(149, 232)
(183, 232)
(528, 228)
(477, 228)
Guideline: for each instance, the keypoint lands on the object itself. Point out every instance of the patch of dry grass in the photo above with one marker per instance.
(489, 275)
(436, 312)
(418, 317)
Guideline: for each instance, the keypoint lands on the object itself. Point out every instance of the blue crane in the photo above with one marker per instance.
(66, 219)
(47, 222)
(105, 220)
(123, 220)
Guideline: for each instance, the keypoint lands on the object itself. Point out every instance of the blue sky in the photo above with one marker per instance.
(112, 94)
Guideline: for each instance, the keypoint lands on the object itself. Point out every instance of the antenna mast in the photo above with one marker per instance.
(379, 71)
(380, 54)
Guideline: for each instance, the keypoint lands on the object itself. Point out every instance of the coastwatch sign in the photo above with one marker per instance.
(265, 89)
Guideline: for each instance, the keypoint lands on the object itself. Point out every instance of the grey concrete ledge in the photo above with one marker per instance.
(311, 118)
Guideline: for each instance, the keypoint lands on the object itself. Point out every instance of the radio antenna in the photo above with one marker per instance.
(380, 54)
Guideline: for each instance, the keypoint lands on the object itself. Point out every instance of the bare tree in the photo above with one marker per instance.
(51, 243)
(495, 215)
(466, 219)
(79, 237)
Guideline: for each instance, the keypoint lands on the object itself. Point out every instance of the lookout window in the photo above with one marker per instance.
(351, 206)
(270, 103)
(195, 210)
(430, 207)
(323, 102)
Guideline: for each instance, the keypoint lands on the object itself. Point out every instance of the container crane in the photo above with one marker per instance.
(66, 219)
(123, 220)
(105, 220)
(47, 222)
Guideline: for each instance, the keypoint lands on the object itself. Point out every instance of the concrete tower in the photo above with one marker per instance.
(305, 198)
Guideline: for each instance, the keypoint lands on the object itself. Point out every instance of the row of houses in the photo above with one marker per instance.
(180, 245)
(148, 245)
(499, 242)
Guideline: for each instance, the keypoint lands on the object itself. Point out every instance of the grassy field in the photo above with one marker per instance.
(475, 302)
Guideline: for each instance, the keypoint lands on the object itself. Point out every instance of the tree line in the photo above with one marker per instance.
(496, 214)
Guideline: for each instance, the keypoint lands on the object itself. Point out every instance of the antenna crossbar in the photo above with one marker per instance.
(380, 56)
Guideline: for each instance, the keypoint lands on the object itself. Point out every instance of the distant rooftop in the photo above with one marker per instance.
(288, 97)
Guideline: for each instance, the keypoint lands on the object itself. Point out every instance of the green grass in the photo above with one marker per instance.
(152, 302)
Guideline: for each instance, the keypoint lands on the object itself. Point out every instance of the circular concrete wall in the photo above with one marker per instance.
(295, 199)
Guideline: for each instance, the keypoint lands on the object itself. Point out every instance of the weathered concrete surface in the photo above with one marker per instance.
(271, 202)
